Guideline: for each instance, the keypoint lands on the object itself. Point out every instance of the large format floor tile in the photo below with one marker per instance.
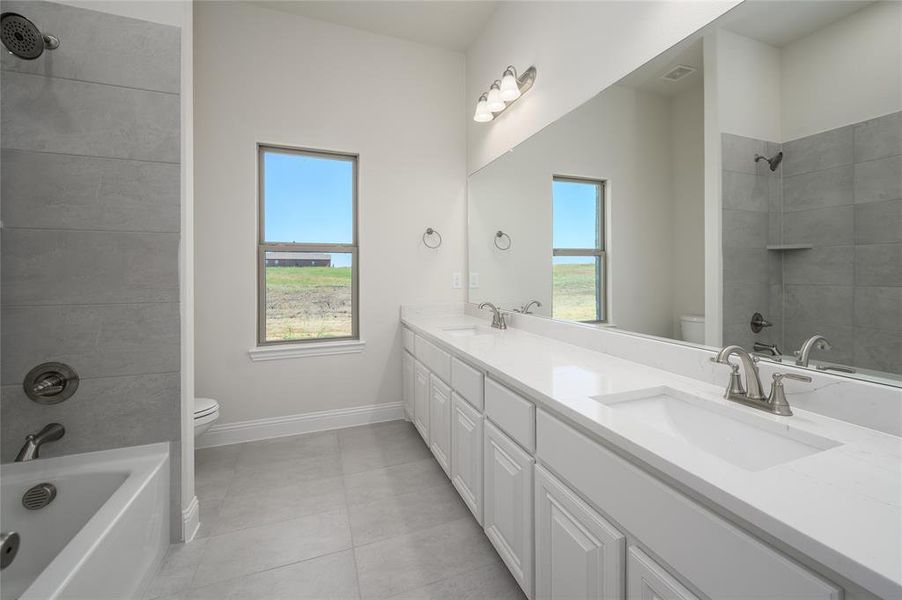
(260, 548)
(414, 560)
(360, 512)
(328, 577)
(405, 513)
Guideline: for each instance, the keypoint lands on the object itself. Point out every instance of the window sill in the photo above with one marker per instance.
(286, 351)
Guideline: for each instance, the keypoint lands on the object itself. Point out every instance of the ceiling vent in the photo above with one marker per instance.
(678, 72)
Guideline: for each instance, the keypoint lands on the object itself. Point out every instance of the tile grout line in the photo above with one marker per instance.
(93, 82)
(91, 156)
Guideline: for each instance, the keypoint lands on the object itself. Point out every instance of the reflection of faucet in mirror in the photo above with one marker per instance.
(525, 309)
(815, 342)
(497, 316)
(769, 349)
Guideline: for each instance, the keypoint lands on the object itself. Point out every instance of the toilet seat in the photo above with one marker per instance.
(204, 407)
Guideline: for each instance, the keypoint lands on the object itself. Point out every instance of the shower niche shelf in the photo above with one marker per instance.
(784, 247)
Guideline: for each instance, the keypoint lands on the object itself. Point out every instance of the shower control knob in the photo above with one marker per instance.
(758, 322)
(50, 383)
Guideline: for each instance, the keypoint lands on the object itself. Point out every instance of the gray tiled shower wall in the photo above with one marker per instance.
(90, 209)
(840, 192)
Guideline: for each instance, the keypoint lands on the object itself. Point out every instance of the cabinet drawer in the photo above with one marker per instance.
(437, 360)
(407, 339)
(646, 579)
(468, 382)
(511, 412)
(724, 561)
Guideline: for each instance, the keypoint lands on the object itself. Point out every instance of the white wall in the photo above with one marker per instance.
(579, 48)
(687, 122)
(401, 107)
(622, 136)
(845, 73)
(748, 87)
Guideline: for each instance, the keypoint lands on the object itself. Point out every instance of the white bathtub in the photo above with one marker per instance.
(104, 534)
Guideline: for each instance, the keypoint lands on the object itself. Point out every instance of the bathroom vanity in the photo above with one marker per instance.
(599, 477)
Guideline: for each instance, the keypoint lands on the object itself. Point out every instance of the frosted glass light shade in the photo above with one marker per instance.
(483, 114)
(495, 103)
(510, 89)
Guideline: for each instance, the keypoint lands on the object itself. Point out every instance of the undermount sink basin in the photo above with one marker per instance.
(744, 439)
(468, 330)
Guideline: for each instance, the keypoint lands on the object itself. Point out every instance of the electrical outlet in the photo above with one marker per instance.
(456, 282)
(474, 280)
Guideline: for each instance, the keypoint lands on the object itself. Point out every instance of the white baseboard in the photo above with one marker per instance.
(191, 520)
(262, 429)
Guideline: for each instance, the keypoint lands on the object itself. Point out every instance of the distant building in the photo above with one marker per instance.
(297, 259)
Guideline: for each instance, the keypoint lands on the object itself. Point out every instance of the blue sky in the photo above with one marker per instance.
(309, 199)
(574, 218)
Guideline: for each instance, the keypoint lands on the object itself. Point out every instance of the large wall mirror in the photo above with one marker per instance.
(744, 187)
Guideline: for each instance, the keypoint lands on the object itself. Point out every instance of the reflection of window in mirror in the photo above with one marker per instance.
(578, 261)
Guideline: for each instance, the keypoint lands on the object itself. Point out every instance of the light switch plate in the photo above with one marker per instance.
(456, 282)
(474, 280)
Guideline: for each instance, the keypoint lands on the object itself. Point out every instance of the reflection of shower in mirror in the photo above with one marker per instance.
(774, 161)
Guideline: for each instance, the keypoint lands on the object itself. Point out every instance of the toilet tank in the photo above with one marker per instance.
(692, 328)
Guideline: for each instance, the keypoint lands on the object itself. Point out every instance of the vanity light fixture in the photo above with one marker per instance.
(503, 93)
(483, 114)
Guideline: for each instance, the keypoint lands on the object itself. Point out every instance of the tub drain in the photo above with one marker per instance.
(39, 496)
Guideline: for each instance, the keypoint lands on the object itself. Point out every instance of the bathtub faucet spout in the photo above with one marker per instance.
(34, 441)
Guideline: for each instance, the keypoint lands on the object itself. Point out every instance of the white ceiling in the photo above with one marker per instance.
(781, 23)
(449, 24)
(648, 77)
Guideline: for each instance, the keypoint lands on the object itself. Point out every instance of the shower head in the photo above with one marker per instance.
(22, 38)
(774, 161)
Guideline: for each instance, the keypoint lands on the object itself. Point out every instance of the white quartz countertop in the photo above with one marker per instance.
(842, 507)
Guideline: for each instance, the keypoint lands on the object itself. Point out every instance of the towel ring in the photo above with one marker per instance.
(499, 236)
(430, 232)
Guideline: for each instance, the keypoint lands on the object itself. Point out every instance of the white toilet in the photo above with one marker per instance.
(206, 410)
(692, 328)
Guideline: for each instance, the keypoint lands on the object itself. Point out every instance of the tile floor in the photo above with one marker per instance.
(364, 512)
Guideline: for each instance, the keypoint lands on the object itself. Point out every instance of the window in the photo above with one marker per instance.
(578, 258)
(307, 246)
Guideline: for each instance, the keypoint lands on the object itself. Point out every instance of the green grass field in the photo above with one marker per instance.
(574, 292)
(307, 302)
(313, 302)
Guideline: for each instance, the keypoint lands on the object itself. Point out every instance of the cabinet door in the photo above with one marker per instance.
(421, 400)
(408, 383)
(508, 504)
(647, 580)
(466, 453)
(579, 554)
(440, 422)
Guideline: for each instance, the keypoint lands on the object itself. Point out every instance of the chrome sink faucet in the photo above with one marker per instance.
(735, 390)
(34, 441)
(775, 403)
(497, 316)
(816, 342)
(525, 309)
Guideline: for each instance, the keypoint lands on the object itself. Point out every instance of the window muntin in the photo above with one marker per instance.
(578, 256)
(307, 246)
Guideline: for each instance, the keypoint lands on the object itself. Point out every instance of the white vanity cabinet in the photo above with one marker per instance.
(647, 580)
(421, 400)
(579, 554)
(507, 509)
(466, 453)
(571, 518)
(408, 378)
(440, 422)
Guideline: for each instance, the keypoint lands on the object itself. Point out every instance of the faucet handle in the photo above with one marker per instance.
(779, 377)
(777, 399)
